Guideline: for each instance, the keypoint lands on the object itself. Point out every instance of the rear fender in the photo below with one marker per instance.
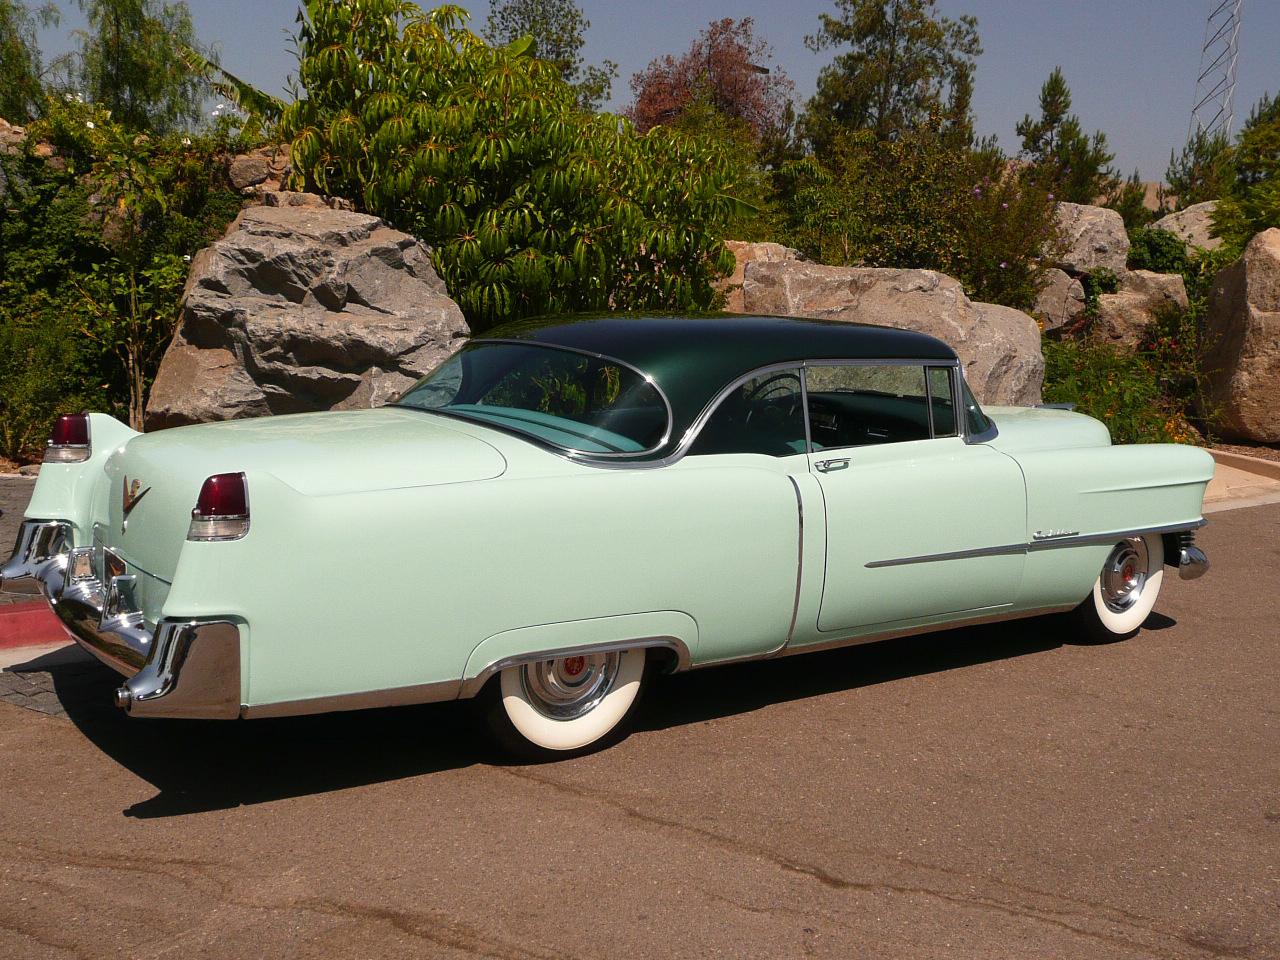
(664, 629)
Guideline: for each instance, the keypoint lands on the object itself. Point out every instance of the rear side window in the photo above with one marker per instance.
(764, 414)
(575, 401)
(859, 404)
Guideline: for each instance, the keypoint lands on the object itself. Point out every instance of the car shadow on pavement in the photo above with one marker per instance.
(199, 766)
(202, 765)
(702, 695)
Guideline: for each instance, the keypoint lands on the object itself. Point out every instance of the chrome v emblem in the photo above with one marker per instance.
(132, 494)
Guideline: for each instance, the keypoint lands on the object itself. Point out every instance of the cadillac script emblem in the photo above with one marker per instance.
(133, 492)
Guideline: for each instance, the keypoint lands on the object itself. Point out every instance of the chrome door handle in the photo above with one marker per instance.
(826, 466)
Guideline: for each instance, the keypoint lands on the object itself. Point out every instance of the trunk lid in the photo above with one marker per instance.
(154, 479)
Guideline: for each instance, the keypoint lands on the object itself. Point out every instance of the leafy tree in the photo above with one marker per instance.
(1059, 151)
(1129, 199)
(21, 89)
(724, 70)
(131, 61)
(1202, 171)
(1253, 204)
(904, 60)
(918, 202)
(558, 28)
(529, 205)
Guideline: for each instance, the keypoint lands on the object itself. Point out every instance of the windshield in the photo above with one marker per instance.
(574, 401)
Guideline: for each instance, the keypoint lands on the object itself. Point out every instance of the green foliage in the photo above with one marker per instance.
(1129, 199)
(1058, 151)
(21, 89)
(919, 202)
(903, 60)
(558, 28)
(1141, 397)
(1202, 171)
(94, 251)
(531, 207)
(1253, 205)
(48, 239)
(1158, 250)
(131, 62)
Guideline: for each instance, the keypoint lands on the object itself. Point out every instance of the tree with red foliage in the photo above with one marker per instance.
(725, 69)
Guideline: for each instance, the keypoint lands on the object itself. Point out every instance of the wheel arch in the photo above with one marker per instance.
(672, 633)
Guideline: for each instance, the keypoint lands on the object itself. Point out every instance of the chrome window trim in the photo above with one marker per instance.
(695, 428)
(577, 456)
(795, 610)
(1045, 543)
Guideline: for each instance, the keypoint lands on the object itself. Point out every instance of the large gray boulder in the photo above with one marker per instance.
(743, 253)
(1192, 225)
(998, 346)
(1094, 239)
(1141, 298)
(1060, 304)
(303, 308)
(1242, 343)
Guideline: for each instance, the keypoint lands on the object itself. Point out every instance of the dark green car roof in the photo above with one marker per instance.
(692, 359)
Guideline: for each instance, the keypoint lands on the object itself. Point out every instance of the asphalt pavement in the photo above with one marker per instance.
(990, 792)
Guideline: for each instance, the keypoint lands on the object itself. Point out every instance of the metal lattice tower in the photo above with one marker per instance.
(1213, 113)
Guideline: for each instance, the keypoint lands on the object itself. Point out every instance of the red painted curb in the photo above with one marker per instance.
(28, 625)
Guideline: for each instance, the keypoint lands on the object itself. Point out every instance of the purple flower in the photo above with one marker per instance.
(1004, 206)
(1051, 196)
(1003, 264)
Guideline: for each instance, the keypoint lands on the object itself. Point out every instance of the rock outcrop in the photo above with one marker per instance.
(303, 308)
(1192, 225)
(1095, 239)
(1123, 316)
(998, 346)
(1242, 343)
(260, 171)
(1061, 303)
(744, 253)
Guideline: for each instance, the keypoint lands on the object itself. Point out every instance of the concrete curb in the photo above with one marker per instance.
(1263, 468)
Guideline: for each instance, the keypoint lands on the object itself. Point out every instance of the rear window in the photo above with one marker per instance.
(574, 401)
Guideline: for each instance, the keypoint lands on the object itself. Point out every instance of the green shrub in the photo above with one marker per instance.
(1158, 250)
(530, 206)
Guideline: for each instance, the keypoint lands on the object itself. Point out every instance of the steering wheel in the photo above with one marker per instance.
(780, 386)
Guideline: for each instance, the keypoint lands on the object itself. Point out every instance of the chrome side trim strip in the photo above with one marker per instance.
(1047, 543)
(473, 685)
(1118, 535)
(954, 555)
(365, 700)
(795, 609)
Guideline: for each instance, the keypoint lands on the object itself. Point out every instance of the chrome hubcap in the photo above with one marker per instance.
(1124, 575)
(571, 686)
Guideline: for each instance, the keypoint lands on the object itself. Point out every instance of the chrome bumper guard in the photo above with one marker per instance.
(1192, 562)
(181, 669)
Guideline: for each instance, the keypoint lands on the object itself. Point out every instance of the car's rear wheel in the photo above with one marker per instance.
(552, 709)
(1125, 591)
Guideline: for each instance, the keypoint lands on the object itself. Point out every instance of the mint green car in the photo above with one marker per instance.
(566, 506)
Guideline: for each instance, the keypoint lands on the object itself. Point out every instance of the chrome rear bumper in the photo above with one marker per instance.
(179, 669)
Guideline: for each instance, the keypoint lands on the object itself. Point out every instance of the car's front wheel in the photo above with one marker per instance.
(1125, 591)
(551, 709)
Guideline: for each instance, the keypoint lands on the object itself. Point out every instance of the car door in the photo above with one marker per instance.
(920, 523)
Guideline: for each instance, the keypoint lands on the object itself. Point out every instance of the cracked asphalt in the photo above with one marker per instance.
(994, 792)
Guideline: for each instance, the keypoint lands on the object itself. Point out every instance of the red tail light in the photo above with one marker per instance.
(222, 509)
(69, 441)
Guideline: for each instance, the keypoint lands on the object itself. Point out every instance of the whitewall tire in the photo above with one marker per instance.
(1126, 589)
(551, 709)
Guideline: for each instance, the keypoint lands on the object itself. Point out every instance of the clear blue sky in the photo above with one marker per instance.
(1131, 64)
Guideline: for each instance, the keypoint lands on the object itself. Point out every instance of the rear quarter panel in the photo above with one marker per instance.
(378, 590)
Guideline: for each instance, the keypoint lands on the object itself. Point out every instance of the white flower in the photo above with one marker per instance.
(90, 124)
(186, 141)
